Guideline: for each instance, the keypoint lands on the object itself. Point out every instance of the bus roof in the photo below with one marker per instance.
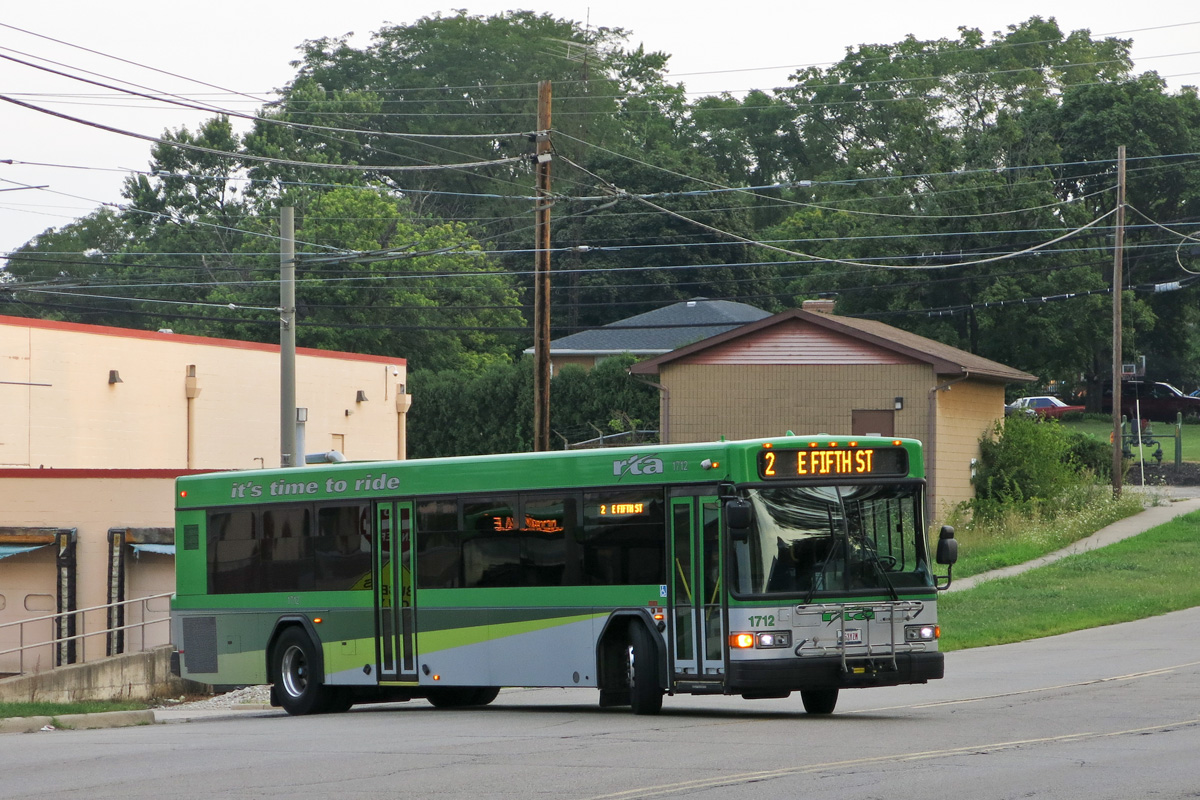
(703, 462)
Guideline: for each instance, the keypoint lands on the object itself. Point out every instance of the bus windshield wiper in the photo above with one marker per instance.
(869, 547)
(812, 586)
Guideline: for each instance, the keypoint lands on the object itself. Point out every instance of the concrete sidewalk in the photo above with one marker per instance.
(1122, 529)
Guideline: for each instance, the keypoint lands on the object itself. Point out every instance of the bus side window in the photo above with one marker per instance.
(439, 545)
(343, 563)
(491, 543)
(234, 557)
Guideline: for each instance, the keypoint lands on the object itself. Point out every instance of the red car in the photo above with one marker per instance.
(1044, 406)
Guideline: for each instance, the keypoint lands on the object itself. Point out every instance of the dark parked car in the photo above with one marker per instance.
(1157, 401)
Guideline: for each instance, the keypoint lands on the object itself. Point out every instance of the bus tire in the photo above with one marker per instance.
(298, 689)
(484, 695)
(645, 695)
(819, 701)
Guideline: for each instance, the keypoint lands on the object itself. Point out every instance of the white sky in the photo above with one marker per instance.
(246, 46)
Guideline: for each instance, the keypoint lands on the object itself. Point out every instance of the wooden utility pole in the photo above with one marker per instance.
(1118, 281)
(541, 279)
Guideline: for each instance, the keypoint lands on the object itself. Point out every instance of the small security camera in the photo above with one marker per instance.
(395, 372)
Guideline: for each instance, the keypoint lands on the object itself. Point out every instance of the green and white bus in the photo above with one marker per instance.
(754, 568)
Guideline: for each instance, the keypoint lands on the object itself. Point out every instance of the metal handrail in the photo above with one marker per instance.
(53, 618)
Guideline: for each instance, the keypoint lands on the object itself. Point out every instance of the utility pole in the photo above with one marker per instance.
(287, 338)
(541, 279)
(1118, 281)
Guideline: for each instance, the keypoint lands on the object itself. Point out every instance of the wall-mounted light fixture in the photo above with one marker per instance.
(114, 376)
(899, 403)
(361, 397)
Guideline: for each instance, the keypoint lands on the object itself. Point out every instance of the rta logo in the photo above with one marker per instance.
(638, 465)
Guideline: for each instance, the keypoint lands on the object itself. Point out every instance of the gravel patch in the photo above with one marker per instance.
(247, 695)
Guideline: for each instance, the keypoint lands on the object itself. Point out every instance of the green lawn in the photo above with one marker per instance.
(58, 709)
(1143, 576)
(1164, 433)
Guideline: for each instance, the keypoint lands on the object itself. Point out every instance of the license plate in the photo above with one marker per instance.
(852, 636)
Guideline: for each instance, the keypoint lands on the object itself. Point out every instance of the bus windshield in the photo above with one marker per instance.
(813, 540)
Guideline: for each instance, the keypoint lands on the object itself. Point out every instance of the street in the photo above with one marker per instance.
(1107, 713)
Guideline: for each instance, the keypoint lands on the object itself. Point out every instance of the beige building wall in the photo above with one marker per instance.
(60, 410)
(91, 503)
(705, 402)
(966, 410)
(558, 362)
(745, 402)
(27, 591)
(77, 451)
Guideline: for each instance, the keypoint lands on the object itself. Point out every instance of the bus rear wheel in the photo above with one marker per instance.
(819, 701)
(645, 695)
(298, 686)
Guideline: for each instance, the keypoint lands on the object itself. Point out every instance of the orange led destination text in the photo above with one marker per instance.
(834, 462)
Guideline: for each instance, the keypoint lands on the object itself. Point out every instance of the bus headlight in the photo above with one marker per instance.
(774, 639)
(922, 633)
(764, 640)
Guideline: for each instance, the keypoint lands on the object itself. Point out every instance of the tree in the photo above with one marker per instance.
(930, 146)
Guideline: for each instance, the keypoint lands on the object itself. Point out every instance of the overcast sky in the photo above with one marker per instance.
(246, 46)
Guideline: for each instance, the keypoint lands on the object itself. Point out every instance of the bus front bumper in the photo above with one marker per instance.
(826, 672)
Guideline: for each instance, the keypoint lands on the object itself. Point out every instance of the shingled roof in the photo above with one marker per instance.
(944, 359)
(659, 331)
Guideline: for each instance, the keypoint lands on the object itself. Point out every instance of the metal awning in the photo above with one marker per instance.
(161, 549)
(7, 550)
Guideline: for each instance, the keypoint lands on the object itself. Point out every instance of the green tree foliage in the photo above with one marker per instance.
(491, 410)
(921, 154)
(922, 148)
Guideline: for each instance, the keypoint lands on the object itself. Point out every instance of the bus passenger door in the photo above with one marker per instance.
(393, 586)
(696, 597)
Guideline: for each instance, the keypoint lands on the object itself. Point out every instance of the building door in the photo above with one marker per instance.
(865, 422)
(396, 654)
(697, 620)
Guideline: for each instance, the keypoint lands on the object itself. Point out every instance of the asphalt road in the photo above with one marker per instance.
(1107, 713)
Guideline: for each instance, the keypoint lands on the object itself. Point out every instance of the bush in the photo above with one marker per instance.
(1034, 465)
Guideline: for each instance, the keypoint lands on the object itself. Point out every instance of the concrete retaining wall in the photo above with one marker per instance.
(137, 676)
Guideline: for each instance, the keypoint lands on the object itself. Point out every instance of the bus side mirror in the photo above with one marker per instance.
(947, 548)
(738, 515)
(947, 554)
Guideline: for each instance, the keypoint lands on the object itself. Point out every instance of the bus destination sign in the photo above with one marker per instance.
(817, 464)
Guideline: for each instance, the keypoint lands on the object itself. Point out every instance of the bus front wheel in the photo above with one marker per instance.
(645, 695)
(819, 701)
(298, 687)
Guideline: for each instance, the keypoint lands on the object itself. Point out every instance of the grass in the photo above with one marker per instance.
(1139, 577)
(38, 709)
(1018, 538)
(1164, 433)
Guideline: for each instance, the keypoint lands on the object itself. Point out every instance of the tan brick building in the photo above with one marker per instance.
(815, 372)
(95, 424)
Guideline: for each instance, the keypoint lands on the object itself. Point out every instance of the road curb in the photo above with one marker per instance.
(103, 719)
